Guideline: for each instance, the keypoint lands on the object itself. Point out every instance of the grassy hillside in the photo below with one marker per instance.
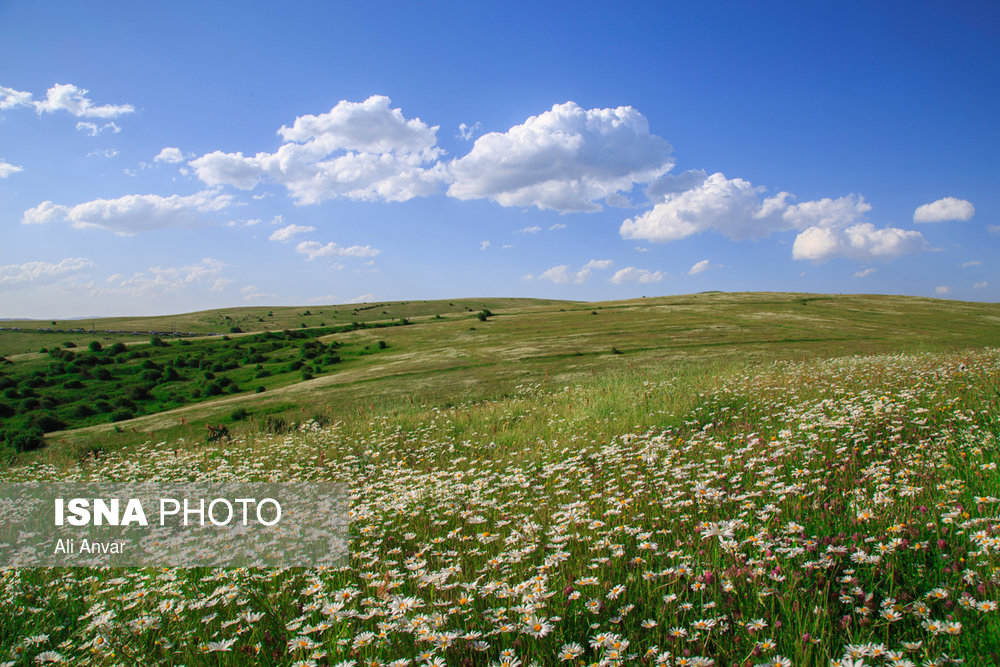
(448, 355)
(698, 500)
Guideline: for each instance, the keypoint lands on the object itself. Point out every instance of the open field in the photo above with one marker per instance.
(449, 355)
(757, 479)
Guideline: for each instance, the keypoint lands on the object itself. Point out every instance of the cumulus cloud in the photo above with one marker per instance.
(565, 159)
(40, 271)
(170, 155)
(285, 234)
(942, 290)
(358, 150)
(944, 210)
(67, 97)
(314, 249)
(132, 213)
(63, 97)
(562, 274)
(699, 267)
(864, 273)
(861, 242)
(738, 210)
(6, 169)
(633, 274)
(362, 298)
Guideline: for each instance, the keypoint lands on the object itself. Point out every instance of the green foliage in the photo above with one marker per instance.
(94, 346)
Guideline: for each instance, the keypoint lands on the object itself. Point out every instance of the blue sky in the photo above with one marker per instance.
(170, 157)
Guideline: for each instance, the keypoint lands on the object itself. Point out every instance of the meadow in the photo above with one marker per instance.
(753, 480)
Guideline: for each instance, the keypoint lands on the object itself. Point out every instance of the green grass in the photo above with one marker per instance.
(457, 357)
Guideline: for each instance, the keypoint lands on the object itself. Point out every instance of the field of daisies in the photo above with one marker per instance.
(837, 512)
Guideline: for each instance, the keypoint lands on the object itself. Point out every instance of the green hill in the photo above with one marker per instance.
(447, 353)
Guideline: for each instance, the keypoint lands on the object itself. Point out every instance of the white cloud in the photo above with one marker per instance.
(160, 279)
(565, 159)
(633, 274)
(67, 97)
(971, 262)
(362, 298)
(736, 209)
(730, 206)
(943, 210)
(285, 234)
(253, 293)
(529, 230)
(314, 249)
(466, 131)
(11, 99)
(556, 227)
(107, 152)
(698, 267)
(483, 245)
(6, 169)
(93, 130)
(861, 242)
(561, 274)
(993, 229)
(365, 151)
(170, 155)
(37, 271)
(132, 213)
(639, 248)
(981, 285)
(864, 273)
(942, 289)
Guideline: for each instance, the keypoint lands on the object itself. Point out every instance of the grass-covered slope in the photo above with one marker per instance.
(697, 513)
(448, 354)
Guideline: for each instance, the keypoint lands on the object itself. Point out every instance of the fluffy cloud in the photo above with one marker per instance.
(6, 169)
(37, 271)
(132, 213)
(285, 234)
(63, 97)
(170, 155)
(358, 150)
(738, 210)
(944, 210)
(314, 249)
(699, 267)
(632, 274)
(673, 183)
(160, 279)
(861, 242)
(561, 274)
(566, 159)
(864, 273)
(942, 290)
(529, 230)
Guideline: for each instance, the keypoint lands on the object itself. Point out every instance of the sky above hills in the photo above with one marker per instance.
(170, 157)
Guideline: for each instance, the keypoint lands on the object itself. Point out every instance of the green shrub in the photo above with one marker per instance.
(47, 423)
(121, 415)
(27, 440)
(239, 415)
(94, 346)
